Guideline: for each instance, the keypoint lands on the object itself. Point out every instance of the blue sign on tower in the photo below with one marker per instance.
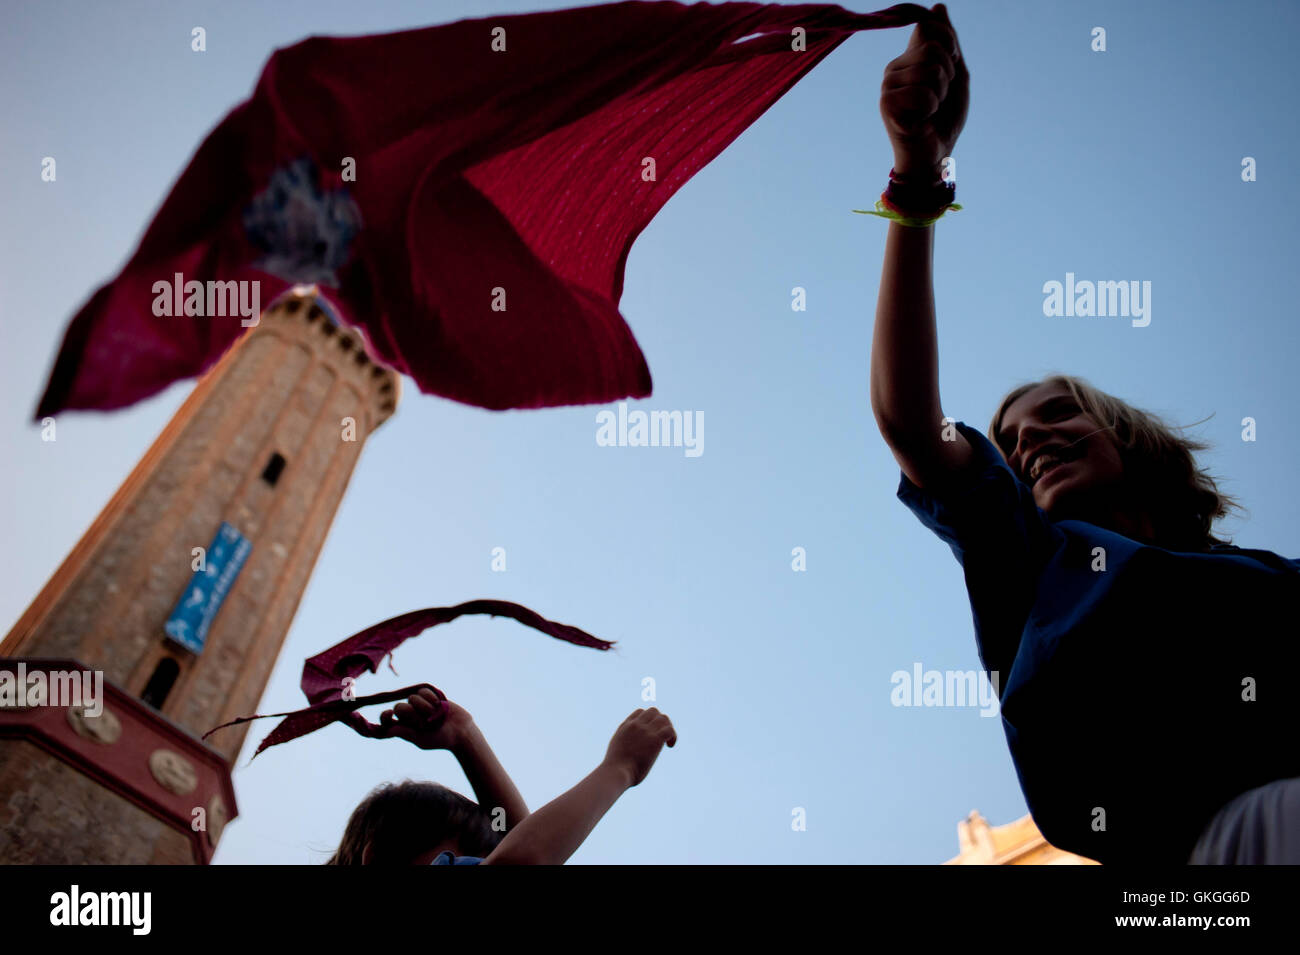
(188, 625)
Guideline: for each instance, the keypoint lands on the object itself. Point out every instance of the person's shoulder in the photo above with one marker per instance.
(1268, 557)
(979, 441)
(983, 492)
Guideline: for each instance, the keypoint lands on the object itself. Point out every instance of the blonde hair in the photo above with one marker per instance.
(1182, 500)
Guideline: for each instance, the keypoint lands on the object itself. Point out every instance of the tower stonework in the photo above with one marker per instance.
(250, 470)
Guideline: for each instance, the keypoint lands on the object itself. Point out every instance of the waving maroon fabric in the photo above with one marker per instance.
(323, 675)
(476, 169)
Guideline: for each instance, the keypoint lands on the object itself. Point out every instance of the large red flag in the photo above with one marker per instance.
(468, 194)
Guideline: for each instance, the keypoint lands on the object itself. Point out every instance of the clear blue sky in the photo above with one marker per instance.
(1123, 165)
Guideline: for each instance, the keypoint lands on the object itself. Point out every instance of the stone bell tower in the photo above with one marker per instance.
(180, 594)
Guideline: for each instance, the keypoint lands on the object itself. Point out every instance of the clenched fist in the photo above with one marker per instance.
(638, 741)
(924, 98)
(428, 721)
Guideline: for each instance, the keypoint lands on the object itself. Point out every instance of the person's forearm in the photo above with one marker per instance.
(492, 785)
(904, 347)
(554, 832)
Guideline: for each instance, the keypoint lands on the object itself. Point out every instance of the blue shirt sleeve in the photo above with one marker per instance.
(1001, 538)
(447, 858)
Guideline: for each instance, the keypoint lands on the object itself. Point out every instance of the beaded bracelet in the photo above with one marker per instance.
(902, 195)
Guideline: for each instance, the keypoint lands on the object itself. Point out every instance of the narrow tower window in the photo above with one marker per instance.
(271, 473)
(160, 684)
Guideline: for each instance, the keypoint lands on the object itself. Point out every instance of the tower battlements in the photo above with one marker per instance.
(301, 312)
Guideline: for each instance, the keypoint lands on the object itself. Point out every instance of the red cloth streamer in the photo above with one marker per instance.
(475, 169)
(323, 675)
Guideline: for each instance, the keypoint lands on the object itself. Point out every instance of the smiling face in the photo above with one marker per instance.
(1069, 459)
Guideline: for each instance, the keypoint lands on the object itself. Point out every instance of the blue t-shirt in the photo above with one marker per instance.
(1125, 691)
(446, 858)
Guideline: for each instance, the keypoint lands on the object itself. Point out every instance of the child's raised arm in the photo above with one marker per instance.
(923, 102)
(554, 832)
(415, 722)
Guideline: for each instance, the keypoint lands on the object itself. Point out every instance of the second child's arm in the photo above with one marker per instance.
(553, 833)
(492, 785)
(414, 721)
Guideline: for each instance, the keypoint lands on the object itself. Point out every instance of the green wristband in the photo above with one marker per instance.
(885, 212)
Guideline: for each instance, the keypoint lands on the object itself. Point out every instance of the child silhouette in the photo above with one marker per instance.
(421, 823)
